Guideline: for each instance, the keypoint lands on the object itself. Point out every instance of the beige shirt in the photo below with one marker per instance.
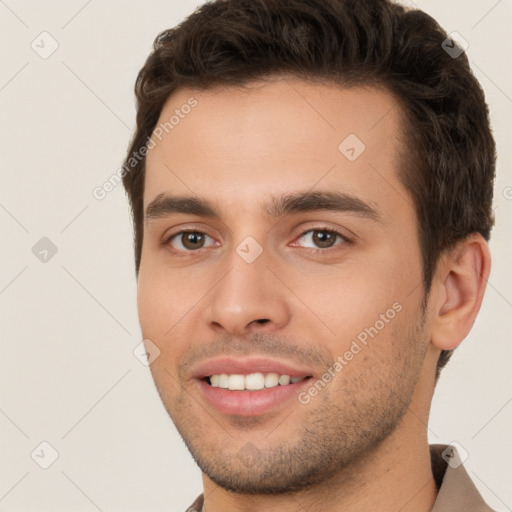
(457, 493)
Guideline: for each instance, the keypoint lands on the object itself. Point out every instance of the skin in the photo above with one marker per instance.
(361, 442)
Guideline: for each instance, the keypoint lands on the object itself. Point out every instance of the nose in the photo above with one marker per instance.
(248, 298)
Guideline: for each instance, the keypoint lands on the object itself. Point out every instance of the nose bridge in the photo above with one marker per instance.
(248, 292)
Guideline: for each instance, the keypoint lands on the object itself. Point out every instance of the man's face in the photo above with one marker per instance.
(276, 286)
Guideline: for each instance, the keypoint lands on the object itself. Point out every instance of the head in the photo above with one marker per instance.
(251, 109)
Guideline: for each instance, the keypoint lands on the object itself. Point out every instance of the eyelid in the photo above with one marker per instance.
(169, 238)
(328, 229)
(170, 233)
(345, 239)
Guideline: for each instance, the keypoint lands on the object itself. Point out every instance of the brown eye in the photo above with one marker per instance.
(192, 240)
(322, 238)
(188, 240)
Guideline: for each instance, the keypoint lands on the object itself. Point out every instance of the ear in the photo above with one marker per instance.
(460, 280)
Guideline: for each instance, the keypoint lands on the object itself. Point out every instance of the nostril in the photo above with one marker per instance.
(263, 320)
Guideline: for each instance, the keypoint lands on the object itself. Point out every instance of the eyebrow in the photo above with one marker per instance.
(165, 205)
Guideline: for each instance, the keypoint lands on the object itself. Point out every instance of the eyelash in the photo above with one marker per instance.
(345, 240)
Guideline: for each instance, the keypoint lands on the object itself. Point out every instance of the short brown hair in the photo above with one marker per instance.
(449, 165)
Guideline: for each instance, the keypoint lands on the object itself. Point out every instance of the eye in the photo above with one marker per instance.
(188, 240)
(323, 238)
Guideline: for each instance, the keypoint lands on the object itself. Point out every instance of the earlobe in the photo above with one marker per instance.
(461, 278)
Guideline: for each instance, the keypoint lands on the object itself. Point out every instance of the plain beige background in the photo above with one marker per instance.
(68, 326)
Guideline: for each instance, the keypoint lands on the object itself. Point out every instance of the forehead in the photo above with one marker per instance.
(287, 134)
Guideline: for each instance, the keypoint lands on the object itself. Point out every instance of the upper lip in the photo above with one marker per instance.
(247, 366)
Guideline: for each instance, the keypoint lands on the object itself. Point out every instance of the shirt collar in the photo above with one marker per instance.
(457, 493)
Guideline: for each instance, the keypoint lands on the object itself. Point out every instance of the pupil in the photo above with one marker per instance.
(193, 239)
(323, 238)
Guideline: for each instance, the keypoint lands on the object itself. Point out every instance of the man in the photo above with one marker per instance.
(311, 185)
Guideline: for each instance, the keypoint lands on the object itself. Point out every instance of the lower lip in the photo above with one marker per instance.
(249, 403)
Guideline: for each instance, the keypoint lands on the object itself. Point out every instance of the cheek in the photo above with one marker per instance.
(167, 299)
(147, 298)
(351, 298)
(155, 302)
(157, 318)
(364, 300)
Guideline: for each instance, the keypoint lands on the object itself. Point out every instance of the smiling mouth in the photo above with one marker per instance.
(252, 381)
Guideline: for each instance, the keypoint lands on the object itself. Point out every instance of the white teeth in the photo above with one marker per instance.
(284, 379)
(271, 380)
(252, 381)
(223, 380)
(236, 382)
(255, 381)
